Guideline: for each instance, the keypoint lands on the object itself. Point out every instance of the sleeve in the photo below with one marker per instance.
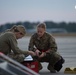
(14, 47)
(31, 44)
(52, 45)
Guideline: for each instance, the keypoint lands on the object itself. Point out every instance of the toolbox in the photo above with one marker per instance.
(31, 63)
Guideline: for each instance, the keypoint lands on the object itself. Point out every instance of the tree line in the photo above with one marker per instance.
(69, 27)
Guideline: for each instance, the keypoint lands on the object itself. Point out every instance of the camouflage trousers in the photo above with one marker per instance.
(17, 57)
(51, 59)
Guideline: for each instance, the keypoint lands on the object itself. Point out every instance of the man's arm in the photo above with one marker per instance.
(31, 44)
(14, 47)
(52, 45)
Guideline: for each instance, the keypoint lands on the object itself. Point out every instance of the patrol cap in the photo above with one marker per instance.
(21, 29)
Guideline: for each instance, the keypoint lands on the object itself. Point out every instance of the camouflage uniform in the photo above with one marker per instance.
(46, 42)
(8, 43)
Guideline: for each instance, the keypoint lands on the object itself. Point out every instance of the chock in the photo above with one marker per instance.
(70, 70)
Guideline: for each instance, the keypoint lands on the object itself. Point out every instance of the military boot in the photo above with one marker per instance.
(51, 69)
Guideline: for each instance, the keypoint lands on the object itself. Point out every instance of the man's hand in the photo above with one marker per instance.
(32, 53)
(37, 52)
(42, 55)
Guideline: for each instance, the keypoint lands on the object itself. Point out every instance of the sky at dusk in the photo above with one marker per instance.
(37, 10)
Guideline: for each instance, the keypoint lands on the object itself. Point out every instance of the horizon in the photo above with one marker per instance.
(37, 11)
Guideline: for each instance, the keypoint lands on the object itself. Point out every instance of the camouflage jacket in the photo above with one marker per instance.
(8, 42)
(46, 42)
